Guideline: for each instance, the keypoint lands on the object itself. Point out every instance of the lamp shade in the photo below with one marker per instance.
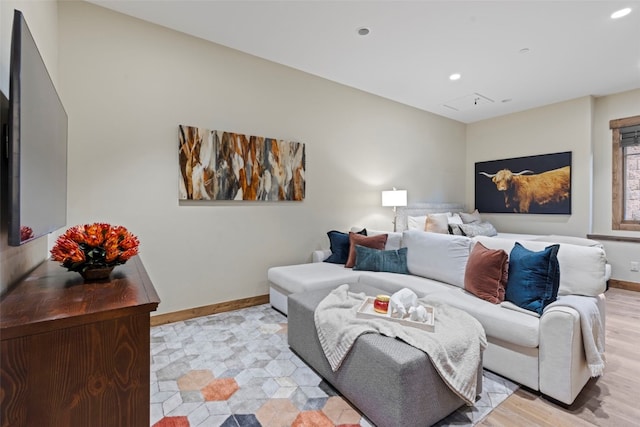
(394, 198)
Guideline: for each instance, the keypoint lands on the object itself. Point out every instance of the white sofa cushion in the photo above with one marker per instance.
(320, 255)
(580, 241)
(437, 256)
(392, 282)
(312, 276)
(509, 325)
(582, 268)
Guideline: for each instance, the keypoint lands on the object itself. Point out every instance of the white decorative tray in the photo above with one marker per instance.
(366, 311)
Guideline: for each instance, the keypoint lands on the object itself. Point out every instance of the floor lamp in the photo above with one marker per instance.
(394, 198)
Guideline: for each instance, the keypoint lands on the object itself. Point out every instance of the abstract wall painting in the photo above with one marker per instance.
(534, 184)
(218, 165)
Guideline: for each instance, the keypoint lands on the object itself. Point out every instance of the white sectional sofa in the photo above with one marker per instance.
(544, 353)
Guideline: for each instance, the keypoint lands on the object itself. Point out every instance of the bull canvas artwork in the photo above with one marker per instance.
(534, 184)
(217, 165)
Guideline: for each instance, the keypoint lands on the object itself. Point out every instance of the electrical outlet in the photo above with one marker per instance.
(634, 265)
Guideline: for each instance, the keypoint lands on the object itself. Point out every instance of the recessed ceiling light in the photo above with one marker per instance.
(524, 50)
(363, 31)
(504, 101)
(455, 76)
(620, 13)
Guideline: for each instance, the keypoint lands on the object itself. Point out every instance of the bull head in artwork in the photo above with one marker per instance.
(502, 179)
(521, 191)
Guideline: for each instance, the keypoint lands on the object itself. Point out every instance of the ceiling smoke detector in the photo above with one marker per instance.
(363, 31)
(473, 100)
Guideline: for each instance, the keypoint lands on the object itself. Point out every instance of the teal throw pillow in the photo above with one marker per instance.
(534, 277)
(391, 261)
(339, 245)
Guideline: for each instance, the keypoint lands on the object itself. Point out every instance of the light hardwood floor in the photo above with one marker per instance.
(611, 400)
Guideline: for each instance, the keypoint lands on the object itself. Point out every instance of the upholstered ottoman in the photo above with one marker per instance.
(392, 383)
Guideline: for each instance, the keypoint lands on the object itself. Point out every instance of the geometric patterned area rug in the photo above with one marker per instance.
(235, 369)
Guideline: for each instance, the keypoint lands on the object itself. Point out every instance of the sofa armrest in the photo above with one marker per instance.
(320, 255)
(562, 364)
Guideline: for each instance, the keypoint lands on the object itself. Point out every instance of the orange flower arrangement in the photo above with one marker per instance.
(96, 245)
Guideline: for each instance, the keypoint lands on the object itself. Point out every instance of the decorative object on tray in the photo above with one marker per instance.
(93, 250)
(401, 301)
(381, 304)
(418, 313)
(420, 316)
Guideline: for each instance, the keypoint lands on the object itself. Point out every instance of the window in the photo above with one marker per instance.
(626, 173)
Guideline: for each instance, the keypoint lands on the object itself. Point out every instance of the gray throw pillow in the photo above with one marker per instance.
(470, 218)
(478, 229)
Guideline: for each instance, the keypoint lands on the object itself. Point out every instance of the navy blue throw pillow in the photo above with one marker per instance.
(339, 245)
(392, 261)
(534, 277)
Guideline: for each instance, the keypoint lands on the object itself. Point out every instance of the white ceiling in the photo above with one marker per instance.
(574, 48)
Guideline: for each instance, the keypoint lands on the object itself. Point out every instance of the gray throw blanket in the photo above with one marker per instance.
(455, 347)
(593, 332)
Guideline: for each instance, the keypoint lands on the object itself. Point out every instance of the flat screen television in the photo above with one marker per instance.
(37, 143)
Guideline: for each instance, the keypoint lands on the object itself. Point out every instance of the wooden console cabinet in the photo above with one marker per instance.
(75, 354)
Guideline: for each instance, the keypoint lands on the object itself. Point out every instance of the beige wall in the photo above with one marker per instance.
(565, 126)
(608, 108)
(42, 18)
(127, 86)
(582, 127)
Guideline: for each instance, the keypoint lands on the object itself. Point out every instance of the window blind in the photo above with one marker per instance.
(630, 136)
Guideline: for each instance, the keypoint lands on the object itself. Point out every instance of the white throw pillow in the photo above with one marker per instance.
(437, 256)
(455, 219)
(469, 218)
(416, 222)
